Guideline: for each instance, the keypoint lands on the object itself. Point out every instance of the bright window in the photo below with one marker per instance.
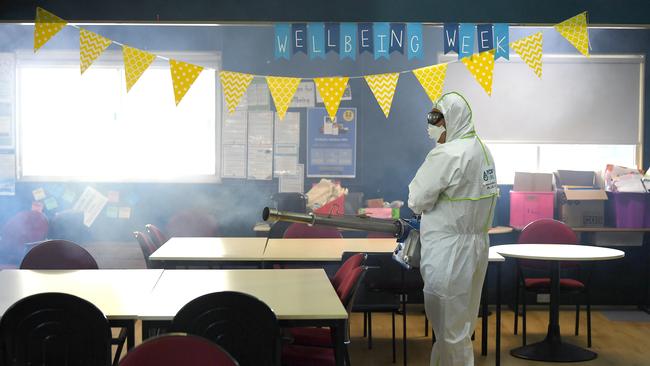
(87, 127)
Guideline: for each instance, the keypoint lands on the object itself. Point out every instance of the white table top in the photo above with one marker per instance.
(118, 293)
(323, 250)
(209, 248)
(558, 252)
(291, 293)
(493, 256)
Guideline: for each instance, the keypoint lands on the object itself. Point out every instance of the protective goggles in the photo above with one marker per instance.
(434, 117)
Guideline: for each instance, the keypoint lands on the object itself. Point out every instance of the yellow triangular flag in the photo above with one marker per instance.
(575, 31)
(234, 86)
(481, 66)
(432, 79)
(331, 90)
(136, 62)
(530, 50)
(45, 27)
(282, 90)
(183, 76)
(91, 45)
(383, 87)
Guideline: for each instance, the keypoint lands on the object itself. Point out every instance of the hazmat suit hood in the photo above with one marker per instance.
(457, 113)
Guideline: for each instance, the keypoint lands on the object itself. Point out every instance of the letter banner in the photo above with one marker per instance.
(382, 37)
(282, 41)
(466, 40)
(348, 41)
(316, 40)
(575, 31)
(365, 37)
(501, 41)
(332, 37)
(450, 34)
(414, 40)
(299, 37)
(46, 26)
(484, 37)
(397, 35)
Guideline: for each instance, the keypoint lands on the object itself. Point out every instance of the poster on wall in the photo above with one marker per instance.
(233, 145)
(7, 174)
(286, 144)
(332, 143)
(260, 145)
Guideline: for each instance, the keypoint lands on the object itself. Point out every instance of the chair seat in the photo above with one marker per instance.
(311, 336)
(545, 283)
(304, 355)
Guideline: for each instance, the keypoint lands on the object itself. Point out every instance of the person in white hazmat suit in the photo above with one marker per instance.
(455, 191)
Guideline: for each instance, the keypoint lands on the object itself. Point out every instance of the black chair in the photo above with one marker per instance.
(55, 329)
(243, 325)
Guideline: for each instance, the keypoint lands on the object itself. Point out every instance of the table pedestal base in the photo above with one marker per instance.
(553, 352)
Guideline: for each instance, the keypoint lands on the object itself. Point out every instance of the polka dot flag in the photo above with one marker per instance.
(91, 45)
(575, 31)
(45, 27)
(530, 50)
(282, 90)
(383, 87)
(183, 76)
(481, 66)
(432, 79)
(136, 63)
(331, 91)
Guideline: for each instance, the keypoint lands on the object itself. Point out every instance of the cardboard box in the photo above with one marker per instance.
(533, 182)
(375, 203)
(580, 199)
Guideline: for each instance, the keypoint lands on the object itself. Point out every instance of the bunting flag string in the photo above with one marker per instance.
(136, 63)
(331, 90)
(344, 38)
(575, 31)
(91, 45)
(481, 66)
(383, 88)
(183, 76)
(432, 79)
(282, 91)
(45, 27)
(530, 50)
(234, 86)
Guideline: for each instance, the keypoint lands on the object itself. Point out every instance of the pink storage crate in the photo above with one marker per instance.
(627, 210)
(526, 207)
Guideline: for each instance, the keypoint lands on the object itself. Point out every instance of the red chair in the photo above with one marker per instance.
(178, 349)
(146, 246)
(58, 254)
(25, 227)
(314, 346)
(548, 231)
(192, 223)
(353, 261)
(297, 230)
(156, 235)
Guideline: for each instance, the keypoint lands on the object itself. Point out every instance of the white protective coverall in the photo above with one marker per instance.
(455, 190)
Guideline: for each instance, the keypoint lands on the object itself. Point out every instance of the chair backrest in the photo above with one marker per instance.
(24, 227)
(55, 329)
(296, 230)
(192, 223)
(58, 254)
(243, 325)
(146, 245)
(348, 287)
(546, 231)
(156, 235)
(350, 261)
(178, 349)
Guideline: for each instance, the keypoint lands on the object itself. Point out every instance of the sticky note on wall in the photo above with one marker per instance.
(39, 194)
(51, 203)
(124, 213)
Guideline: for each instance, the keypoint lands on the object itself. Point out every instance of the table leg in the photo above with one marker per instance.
(552, 348)
(484, 317)
(339, 341)
(498, 325)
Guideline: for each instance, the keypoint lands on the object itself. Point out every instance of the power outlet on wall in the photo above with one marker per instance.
(543, 298)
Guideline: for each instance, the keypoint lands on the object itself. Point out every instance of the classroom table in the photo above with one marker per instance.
(494, 260)
(298, 297)
(118, 293)
(323, 250)
(552, 348)
(209, 251)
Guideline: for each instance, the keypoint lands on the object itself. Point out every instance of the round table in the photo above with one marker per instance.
(552, 348)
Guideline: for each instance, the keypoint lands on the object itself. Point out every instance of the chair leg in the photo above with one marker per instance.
(523, 320)
(393, 320)
(365, 323)
(516, 307)
(588, 319)
(473, 335)
(426, 326)
(404, 328)
(577, 318)
(369, 330)
(347, 355)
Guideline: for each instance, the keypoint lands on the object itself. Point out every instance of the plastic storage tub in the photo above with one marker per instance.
(627, 210)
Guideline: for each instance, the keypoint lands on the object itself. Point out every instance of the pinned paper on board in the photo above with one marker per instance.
(113, 196)
(91, 203)
(124, 213)
(39, 194)
(51, 203)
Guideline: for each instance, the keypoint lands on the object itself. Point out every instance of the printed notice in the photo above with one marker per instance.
(305, 96)
(7, 174)
(260, 145)
(286, 144)
(293, 183)
(233, 145)
(91, 203)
